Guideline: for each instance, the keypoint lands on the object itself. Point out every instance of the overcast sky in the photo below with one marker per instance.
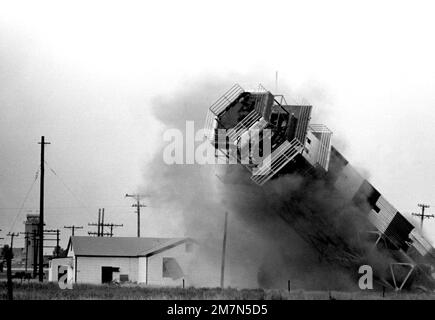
(85, 74)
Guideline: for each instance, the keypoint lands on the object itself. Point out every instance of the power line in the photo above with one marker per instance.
(93, 233)
(100, 224)
(24, 201)
(83, 205)
(55, 232)
(63, 207)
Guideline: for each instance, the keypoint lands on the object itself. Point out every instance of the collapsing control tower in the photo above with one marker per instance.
(238, 113)
(295, 146)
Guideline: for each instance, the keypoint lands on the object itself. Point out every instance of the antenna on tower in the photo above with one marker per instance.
(276, 82)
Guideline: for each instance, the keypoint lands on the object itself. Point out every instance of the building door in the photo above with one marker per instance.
(106, 274)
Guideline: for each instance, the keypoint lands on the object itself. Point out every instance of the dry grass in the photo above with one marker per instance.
(51, 291)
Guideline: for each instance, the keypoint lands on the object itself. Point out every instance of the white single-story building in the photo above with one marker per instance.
(151, 261)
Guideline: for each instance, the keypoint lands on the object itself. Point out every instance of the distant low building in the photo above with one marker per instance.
(151, 261)
(19, 257)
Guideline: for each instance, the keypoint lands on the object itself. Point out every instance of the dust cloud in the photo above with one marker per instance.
(263, 247)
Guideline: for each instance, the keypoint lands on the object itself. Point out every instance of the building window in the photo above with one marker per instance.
(123, 277)
(171, 268)
(308, 140)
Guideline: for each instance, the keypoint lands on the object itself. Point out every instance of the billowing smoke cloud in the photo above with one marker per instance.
(264, 245)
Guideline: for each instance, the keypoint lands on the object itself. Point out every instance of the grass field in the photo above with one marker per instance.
(50, 291)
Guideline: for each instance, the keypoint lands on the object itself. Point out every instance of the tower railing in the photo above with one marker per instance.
(282, 155)
(244, 125)
(225, 100)
(324, 151)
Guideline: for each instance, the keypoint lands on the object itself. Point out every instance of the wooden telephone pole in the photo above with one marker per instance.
(100, 226)
(26, 239)
(9, 255)
(35, 252)
(73, 228)
(422, 215)
(12, 235)
(137, 205)
(113, 225)
(41, 212)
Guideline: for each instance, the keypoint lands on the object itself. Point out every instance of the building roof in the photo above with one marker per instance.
(121, 246)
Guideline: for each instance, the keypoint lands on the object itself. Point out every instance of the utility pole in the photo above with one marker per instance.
(8, 256)
(41, 213)
(1, 262)
(102, 223)
(57, 242)
(73, 228)
(422, 215)
(12, 235)
(224, 245)
(26, 239)
(112, 225)
(137, 205)
(99, 224)
(35, 253)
